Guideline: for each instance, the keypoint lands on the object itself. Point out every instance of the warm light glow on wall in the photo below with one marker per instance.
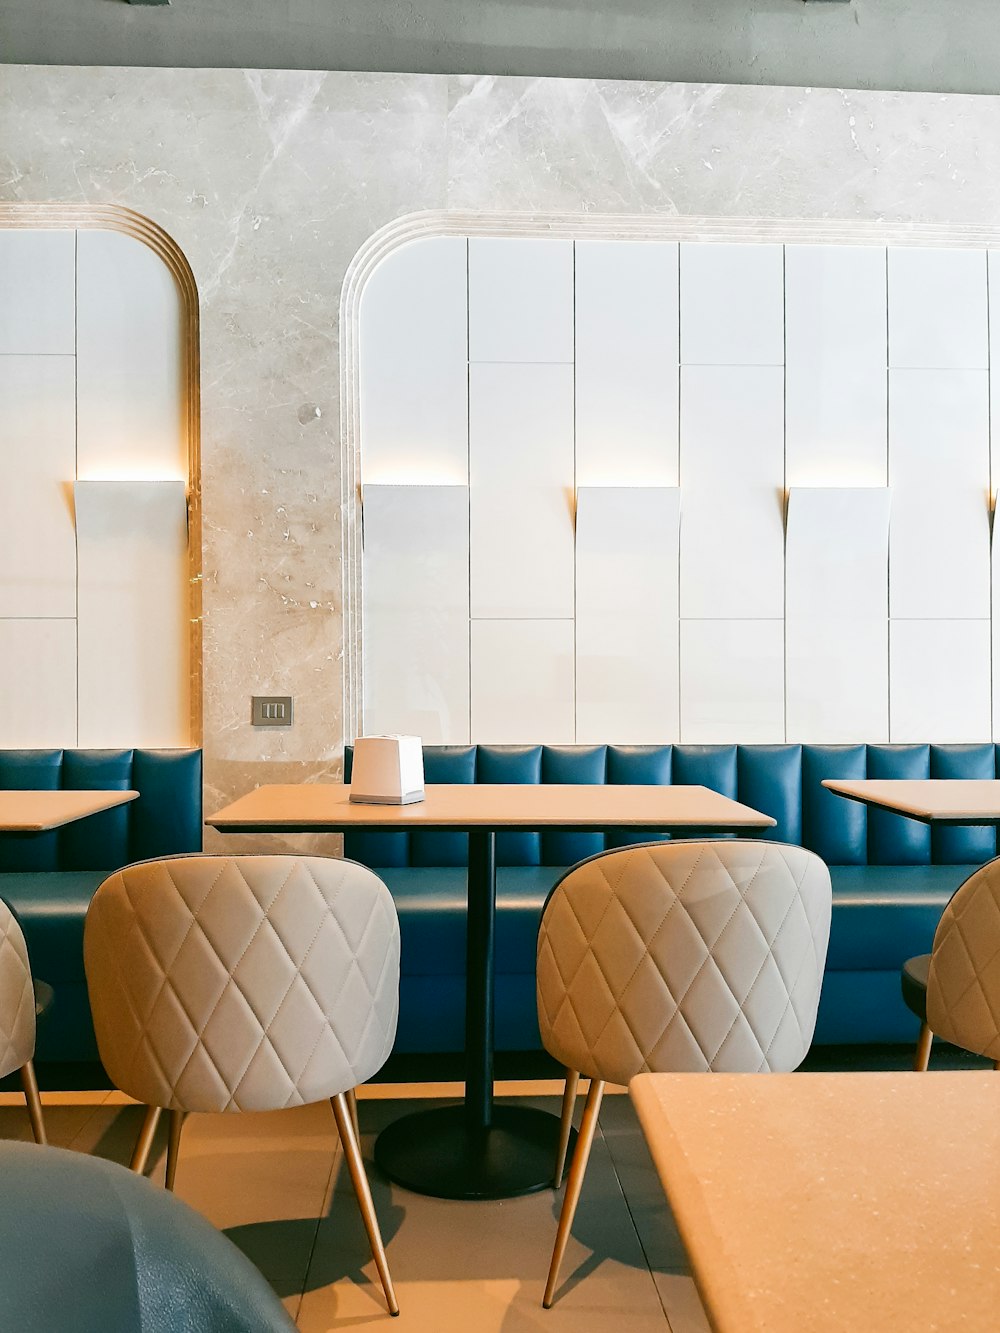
(412, 477)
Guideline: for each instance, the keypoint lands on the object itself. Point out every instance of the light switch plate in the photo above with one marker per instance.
(271, 710)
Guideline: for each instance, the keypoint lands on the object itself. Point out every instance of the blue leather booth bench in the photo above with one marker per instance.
(891, 876)
(50, 878)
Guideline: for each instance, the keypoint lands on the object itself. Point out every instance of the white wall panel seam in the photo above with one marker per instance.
(784, 484)
(576, 502)
(76, 453)
(888, 563)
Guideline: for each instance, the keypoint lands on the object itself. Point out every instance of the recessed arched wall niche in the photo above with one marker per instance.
(653, 480)
(100, 514)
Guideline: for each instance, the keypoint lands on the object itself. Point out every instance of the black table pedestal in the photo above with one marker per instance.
(476, 1150)
(436, 1152)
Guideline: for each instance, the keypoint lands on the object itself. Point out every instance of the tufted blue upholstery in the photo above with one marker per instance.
(165, 819)
(782, 780)
(891, 877)
(49, 879)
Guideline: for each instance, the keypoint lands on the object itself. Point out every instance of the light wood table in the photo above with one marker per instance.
(825, 1202)
(41, 811)
(956, 801)
(481, 1150)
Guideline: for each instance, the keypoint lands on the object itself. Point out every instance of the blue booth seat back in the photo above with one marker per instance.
(785, 781)
(165, 820)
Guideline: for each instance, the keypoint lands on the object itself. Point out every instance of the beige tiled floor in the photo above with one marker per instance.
(276, 1185)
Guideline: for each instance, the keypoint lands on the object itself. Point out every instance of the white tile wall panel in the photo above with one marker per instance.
(38, 445)
(939, 428)
(937, 308)
(130, 395)
(939, 676)
(835, 305)
(37, 297)
(37, 683)
(732, 487)
(731, 553)
(133, 614)
(732, 427)
(836, 426)
(837, 679)
(522, 682)
(835, 355)
(939, 553)
(626, 615)
(627, 351)
(413, 365)
(837, 553)
(416, 612)
(732, 681)
(520, 300)
(995, 626)
(521, 490)
(731, 305)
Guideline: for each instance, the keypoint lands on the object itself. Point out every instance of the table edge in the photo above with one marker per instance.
(753, 822)
(124, 797)
(689, 1212)
(910, 812)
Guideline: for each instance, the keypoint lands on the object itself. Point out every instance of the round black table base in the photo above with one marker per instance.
(434, 1152)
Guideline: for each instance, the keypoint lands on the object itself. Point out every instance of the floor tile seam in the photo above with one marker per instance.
(298, 1309)
(87, 1121)
(635, 1228)
(309, 1261)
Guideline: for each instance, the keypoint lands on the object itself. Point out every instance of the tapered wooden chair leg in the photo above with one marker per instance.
(565, 1124)
(144, 1143)
(173, 1146)
(356, 1167)
(574, 1184)
(352, 1104)
(30, 1085)
(923, 1053)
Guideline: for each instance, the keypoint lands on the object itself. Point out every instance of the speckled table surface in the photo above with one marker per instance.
(827, 1202)
(931, 800)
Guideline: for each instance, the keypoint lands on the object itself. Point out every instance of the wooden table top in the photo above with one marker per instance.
(40, 811)
(826, 1202)
(931, 800)
(315, 807)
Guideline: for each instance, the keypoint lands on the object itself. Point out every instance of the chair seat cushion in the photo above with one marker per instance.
(87, 1245)
(51, 906)
(883, 915)
(914, 983)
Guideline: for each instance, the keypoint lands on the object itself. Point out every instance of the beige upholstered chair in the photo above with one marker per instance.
(675, 957)
(955, 989)
(245, 983)
(17, 1016)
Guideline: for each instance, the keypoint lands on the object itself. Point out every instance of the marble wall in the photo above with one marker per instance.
(271, 182)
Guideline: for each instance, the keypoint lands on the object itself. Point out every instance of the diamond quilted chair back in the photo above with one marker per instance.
(17, 996)
(242, 983)
(963, 981)
(684, 956)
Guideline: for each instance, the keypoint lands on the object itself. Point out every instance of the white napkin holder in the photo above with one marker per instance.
(387, 770)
